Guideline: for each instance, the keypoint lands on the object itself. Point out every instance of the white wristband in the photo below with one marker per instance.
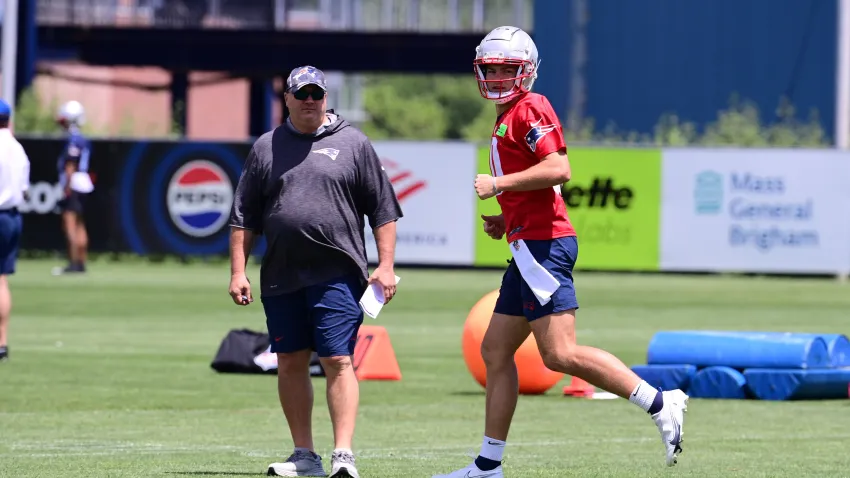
(495, 189)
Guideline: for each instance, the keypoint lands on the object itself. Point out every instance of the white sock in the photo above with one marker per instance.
(492, 449)
(643, 395)
(344, 450)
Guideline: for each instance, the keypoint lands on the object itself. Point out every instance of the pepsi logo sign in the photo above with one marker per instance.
(199, 198)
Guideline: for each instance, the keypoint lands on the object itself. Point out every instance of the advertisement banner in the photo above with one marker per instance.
(169, 197)
(433, 183)
(175, 197)
(613, 203)
(160, 197)
(755, 210)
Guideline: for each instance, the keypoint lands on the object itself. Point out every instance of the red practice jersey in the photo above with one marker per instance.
(523, 136)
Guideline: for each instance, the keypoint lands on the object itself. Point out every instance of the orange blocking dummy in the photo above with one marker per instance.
(534, 377)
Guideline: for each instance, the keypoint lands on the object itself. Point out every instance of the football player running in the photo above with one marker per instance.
(528, 165)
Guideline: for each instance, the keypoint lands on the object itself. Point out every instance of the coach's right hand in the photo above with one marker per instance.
(240, 289)
(494, 226)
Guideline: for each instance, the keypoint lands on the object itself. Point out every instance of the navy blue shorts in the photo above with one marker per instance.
(75, 202)
(558, 256)
(10, 236)
(323, 317)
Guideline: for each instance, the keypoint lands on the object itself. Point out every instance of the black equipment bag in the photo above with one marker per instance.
(242, 350)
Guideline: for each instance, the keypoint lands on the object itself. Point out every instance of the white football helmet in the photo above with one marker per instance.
(71, 113)
(506, 46)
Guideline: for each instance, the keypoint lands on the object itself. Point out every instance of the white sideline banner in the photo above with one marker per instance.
(434, 184)
(755, 210)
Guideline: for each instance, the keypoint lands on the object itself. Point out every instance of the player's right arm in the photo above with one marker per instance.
(494, 226)
(241, 243)
(245, 224)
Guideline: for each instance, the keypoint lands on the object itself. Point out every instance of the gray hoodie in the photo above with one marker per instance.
(308, 195)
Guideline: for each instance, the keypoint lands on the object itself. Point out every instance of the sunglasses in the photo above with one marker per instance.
(302, 94)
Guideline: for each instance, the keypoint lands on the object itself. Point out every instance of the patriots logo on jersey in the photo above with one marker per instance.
(536, 133)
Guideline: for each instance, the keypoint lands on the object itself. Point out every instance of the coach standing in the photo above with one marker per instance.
(306, 186)
(14, 182)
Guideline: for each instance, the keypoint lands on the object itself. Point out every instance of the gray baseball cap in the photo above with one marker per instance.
(306, 75)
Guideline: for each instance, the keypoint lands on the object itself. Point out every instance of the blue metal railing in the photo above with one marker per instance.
(426, 16)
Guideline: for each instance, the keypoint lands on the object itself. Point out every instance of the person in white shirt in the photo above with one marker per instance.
(14, 182)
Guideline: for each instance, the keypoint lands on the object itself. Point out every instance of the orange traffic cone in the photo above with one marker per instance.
(374, 357)
(579, 388)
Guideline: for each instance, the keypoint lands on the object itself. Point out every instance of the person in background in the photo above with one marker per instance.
(73, 166)
(14, 183)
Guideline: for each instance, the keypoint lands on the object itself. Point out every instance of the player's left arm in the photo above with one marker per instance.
(25, 172)
(379, 203)
(552, 170)
(539, 130)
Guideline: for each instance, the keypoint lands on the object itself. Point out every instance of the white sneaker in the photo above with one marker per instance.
(300, 463)
(473, 471)
(670, 421)
(342, 465)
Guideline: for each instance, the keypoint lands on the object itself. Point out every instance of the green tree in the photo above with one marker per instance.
(436, 107)
(481, 128)
(422, 106)
(393, 116)
(30, 116)
(741, 125)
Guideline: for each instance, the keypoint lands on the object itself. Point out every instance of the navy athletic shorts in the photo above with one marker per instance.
(10, 236)
(323, 317)
(558, 256)
(75, 202)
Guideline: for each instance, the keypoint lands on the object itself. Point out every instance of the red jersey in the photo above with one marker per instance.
(524, 135)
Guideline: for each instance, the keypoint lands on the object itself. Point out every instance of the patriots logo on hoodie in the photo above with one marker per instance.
(329, 152)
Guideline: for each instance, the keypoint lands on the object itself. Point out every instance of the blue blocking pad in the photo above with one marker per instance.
(738, 350)
(666, 377)
(718, 382)
(839, 349)
(837, 345)
(795, 384)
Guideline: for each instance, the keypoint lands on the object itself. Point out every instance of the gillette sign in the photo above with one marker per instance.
(754, 210)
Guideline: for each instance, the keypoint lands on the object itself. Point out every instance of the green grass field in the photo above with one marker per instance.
(109, 376)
